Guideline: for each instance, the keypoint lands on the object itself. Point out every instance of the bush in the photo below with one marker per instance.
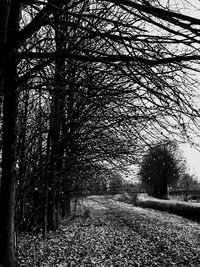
(194, 197)
(125, 197)
(185, 209)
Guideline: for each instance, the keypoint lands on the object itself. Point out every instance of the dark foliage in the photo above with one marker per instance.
(187, 210)
(162, 166)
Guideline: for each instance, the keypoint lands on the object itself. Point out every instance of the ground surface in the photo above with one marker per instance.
(115, 234)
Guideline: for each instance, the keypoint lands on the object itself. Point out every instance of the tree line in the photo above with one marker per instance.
(85, 86)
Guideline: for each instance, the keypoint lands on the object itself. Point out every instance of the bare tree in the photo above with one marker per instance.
(146, 46)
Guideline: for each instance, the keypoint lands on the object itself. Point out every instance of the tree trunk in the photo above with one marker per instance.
(8, 182)
(9, 26)
(68, 205)
(156, 191)
(53, 176)
(57, 153)
(51, 212)
(164, 188)
(45, 209)
(66, 201)
(164, 192)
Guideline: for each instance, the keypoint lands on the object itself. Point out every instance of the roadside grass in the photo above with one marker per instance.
(115, 234)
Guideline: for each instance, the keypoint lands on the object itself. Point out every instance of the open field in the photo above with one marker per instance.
(115, 234)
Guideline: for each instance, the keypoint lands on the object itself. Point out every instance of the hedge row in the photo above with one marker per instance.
(185, 209)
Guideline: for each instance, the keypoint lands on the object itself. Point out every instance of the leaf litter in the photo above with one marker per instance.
(115, 234)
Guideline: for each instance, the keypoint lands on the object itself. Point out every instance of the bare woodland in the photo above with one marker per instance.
(84, 87)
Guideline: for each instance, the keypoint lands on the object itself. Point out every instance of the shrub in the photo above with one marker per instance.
(185, 209)
(125, 197)
(194, 197)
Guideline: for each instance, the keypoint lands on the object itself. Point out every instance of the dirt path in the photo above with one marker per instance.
(108, 203)
(152, 238)
(116, 234)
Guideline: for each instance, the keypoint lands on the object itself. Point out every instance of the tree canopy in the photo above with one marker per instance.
(162, 166)
(85, 85)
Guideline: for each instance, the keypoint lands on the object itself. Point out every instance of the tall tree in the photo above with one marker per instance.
(9, 27)
(163, 165)
(151, 62)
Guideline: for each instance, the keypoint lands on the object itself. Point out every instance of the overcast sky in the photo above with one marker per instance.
(193, 160)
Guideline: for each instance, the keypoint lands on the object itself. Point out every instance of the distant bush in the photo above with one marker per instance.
(185, 209)
(125, 197)
(194, 197)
